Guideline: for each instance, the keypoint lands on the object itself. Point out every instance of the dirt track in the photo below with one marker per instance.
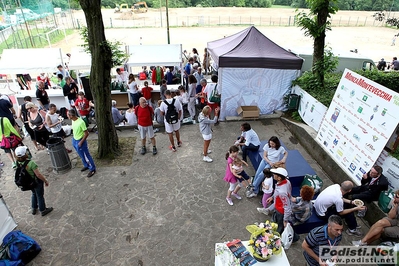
(373, 42)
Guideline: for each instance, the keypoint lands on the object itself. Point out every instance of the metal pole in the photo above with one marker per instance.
(167, 21)
(26, 24)
(160, 11)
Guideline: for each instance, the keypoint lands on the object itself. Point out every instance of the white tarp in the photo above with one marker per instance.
(79, 59)
(260, 87)
(154, 55)
(25, 61)
(7, 223)
(361, 118)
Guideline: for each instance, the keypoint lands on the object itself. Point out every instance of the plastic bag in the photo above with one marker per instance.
(287, 236)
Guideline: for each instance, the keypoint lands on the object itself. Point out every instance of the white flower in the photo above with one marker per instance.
(262, 244)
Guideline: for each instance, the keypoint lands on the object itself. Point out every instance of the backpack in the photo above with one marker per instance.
(23, 179)
(171, 116)
(313, 181)
(18, 246)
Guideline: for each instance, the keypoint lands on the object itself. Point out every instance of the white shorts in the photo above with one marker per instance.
(146, 131)
(170, 128)
(207, 137)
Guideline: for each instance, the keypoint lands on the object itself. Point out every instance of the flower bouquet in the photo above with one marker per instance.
(264, 241)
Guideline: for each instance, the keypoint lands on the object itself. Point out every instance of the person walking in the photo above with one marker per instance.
(8, 129)
(23, 115)
(144, 114)
(79, 142)
(172, 126)
(37, 199)
(205, 128)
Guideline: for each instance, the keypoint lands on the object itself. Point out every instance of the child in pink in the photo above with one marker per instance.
(229, 177)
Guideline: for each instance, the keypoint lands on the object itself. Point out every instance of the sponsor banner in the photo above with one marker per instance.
(391, 169)
(360, 255)
(358, 124)
(310, 110)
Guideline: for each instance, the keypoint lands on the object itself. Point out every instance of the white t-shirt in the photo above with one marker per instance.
(131, 118)
(208, 90)
(123, 77)
(272, 154)
(132, 87)
(238, 169)
(251, 137)
(54, 119)
(164, 107)
(330, 196)
(268, 182)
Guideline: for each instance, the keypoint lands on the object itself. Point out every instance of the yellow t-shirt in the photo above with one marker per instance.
(78, 128)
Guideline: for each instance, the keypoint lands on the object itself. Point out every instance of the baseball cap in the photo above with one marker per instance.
(280, 171)
(20, 151)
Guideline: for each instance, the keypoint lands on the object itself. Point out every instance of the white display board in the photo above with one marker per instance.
(361, 118)
(311, 110)
(7, 223)
(391, 169)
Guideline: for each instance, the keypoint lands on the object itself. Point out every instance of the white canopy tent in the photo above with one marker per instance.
(79, 59)
(154, 55)
(24, 61)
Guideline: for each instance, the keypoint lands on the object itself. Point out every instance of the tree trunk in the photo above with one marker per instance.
(100, 78)
(319, 40)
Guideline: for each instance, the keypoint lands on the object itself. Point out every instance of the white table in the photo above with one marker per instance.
(223, 259)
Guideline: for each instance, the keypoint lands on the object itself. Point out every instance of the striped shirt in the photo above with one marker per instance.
(302, 210)
(316, 238)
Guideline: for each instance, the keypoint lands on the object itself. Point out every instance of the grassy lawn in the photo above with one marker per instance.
(279, 6)
(20, 38)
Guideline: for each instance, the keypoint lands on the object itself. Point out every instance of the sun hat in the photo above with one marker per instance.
(20, 151)
(30, 105)
(280, 171)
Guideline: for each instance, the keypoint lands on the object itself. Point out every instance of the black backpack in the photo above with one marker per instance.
(23, 179)
(171, 116)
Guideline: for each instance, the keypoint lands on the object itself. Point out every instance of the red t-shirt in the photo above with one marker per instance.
(144, 115)
(82, 105)
(146, 91)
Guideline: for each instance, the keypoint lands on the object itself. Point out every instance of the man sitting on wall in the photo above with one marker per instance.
(372, 184)
(117, 116)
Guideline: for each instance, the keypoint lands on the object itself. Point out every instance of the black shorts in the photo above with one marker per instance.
(59, 134)
(27, 77)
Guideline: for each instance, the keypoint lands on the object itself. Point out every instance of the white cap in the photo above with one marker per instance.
(280, 171)
(20, 151)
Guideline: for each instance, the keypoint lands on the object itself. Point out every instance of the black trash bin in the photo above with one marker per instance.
(293, 101)
(59, 155)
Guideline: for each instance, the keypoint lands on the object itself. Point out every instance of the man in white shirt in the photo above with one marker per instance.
(170, 126)
(331, 201)
(121, 76)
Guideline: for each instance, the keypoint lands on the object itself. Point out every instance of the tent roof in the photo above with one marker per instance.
(36, 60)
(79, 59)
(154, 55)
(251, 49)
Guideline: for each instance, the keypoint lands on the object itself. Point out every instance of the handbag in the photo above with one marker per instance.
(8, 142)
(215, 96)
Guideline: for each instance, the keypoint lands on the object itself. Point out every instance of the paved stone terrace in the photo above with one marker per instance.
(168, 209)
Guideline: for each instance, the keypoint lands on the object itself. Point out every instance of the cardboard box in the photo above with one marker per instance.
(248, 111)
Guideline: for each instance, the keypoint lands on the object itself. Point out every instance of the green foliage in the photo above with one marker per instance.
(118, 57)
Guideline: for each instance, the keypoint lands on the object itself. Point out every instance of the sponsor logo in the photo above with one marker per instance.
(362, 170)
(352, 93)
(325, 143)
(365, 97)
(340, 153)
(360, 109)
(347, 129)
(363, 129)
(352, 167)
(370, 147)
(335, 142)
(375, 138)
(366, 164)
(356, 137)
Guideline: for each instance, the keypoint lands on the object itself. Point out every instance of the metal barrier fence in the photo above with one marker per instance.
(208, 21)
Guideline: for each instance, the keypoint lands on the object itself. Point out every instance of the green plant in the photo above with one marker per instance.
(119, 57)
